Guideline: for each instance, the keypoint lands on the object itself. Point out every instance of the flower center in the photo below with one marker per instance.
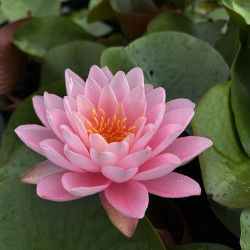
(112, 130)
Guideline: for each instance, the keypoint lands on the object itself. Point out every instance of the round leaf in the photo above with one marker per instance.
(225, 168)
(182, 64)
(36, 36)
(28, 222)
(78, 56)
(245, 229)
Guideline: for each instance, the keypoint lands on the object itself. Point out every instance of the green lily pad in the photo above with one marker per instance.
(201, 246)
(225, 167)
(36, 36)
(185, 66)
(245, 229)
(14, 152)
(14, 10)
(28, 222)
(241, 97)
(207, 31)
(239, 10)
(79, 56)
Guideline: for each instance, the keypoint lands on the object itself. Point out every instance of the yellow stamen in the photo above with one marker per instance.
(112, 130)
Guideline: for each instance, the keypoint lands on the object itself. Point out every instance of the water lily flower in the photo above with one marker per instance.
(112, 135)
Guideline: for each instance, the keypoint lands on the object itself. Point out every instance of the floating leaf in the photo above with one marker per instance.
(225, 167)
(183, 65)
(245, 229)
(79, 56)
(241, 97)
(38, 35)
(14, 10)
(28, 222)
(12, 61)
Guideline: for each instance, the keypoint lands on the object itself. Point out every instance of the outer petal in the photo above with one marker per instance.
(50, 188)
(32, 135)
(39, 107)
(179, 103)
(188, 147)
(74, 84)
(97, 74)
(70, 107)
(126, 225)
(83, 184)
(97, 142)
(35, 174)
(118, 174)
(92, 91)
(129, 198)
(173, 185)
(148, 87)
(103, 158)
(53, 150)
(120, 86)
(74, 141)
(164, 137)
(135, 78)
(135, 159)
(157, 167)
(154, 97)
(107, 73)
(81, 161)
(52, 101)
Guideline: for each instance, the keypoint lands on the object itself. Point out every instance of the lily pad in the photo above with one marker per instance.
(225, 167)
(241, 97)
(79, 56)
(245, 229)
(14, 10)
(185, 66)
(28, 222)
(38, 35)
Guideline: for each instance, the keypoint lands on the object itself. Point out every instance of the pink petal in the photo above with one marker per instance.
(79, 120)
(139, 124)
(148, 87)
(52, 101)
(92, 91)
(178, 116)
(35, 174)
(108, 101)
(118, 174)
(130, 140)
(103, 158)
(135, 78)
(120, 86)
(83, 184)
(164, 137)
(155, 97)
(157, 167)
(74, 141)
(107, 73)
(126, 225)
(74, 84)
(134, 113)
(132, 98)
(81, 161)
(85, 107)
(119, 148)
(40, 110)
(153, 114)
(70, 107)
(32, 135)
(135, 159)
(119, 112)
(56, 118)
(129, 198)
(54, 151)
(50, 188)
(178, 104)
(97, 142)
(97, 74)
(188, 147)
(173, 185)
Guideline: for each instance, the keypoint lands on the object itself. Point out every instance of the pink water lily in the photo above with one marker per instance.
(112, 135)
